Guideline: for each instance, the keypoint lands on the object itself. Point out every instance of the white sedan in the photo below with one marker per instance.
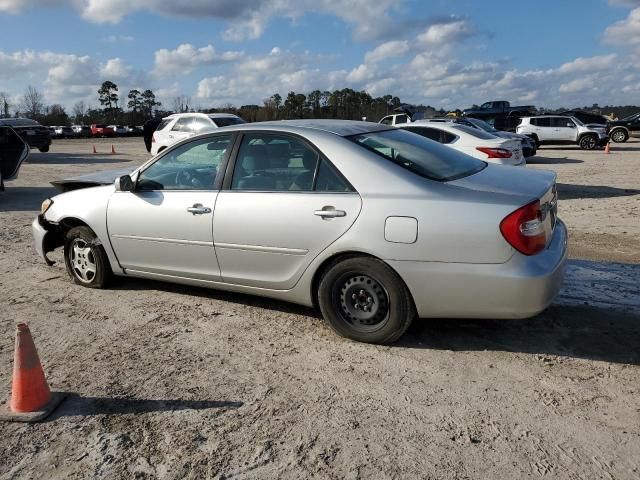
(476, 143)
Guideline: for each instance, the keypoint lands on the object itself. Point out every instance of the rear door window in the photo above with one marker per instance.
(542, 122)
(183, 125)
(164, 123)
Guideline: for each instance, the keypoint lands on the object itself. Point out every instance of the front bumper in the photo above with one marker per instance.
(43, 238)
(520, 288)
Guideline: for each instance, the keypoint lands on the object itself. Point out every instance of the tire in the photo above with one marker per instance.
(384, 308)
(44, 149)
(619, 135)
(89, 253)
(535, 141)
(588, 142)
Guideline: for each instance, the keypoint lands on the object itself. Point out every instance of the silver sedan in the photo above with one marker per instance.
(373, 225)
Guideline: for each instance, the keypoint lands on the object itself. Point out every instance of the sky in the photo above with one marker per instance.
(444, 53)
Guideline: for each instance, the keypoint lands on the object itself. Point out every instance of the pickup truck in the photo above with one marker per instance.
(498, 108)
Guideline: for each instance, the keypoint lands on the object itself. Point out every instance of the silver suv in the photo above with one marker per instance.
(562, 130)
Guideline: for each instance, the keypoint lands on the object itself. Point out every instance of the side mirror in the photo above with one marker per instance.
(570, 125)
(124, 184)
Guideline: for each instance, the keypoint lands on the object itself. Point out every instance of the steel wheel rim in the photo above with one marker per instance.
(361, 301)
(589, 142)
(83, 261)
(618, 136)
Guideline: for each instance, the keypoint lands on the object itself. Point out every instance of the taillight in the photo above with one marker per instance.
(495, 152)
(524, 229)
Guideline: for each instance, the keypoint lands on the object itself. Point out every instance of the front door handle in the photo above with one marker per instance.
(198, 209)
(330, 212)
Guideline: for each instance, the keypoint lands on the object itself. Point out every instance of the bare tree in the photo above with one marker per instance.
(32, 102)
(181, 104)
(79, 111)
(4, 104)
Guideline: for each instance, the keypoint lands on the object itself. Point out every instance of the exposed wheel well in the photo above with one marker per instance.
(56, 235)
(326, 264)
(587, 134)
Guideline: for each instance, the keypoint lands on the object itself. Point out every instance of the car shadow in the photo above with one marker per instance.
(73, 158)
(535, 160)
(567, 191)
(76, 405)
(569, 331)
(24, 199)
(616, 147)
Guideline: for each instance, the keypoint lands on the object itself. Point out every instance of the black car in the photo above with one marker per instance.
(585, 117)
(34, 134)
(13, 151)
(620, 130)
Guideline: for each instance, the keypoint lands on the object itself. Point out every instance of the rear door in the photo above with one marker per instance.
(281, 205)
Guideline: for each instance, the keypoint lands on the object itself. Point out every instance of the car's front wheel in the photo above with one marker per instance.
(364, 299)
(85, 258)
(619, 136)
(588, 142)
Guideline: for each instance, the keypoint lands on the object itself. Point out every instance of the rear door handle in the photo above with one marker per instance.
(198, 209)
(330, 212)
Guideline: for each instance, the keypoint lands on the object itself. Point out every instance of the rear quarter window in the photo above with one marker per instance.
(164, 123)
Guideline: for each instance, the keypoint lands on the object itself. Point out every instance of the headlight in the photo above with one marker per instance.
(45, 206)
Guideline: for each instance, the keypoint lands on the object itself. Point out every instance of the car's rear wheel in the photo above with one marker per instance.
(85, 258)
(588, 142)
(364, 299)
(619, 136)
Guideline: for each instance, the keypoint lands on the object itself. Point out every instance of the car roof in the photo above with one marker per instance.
(200, 114)
(342, 128)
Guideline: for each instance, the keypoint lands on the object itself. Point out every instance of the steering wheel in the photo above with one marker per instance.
(186, 178)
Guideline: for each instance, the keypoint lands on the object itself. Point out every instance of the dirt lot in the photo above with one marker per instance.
(176, 382)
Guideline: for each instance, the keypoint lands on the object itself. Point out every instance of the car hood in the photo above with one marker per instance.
(517, 181)
(106, 177)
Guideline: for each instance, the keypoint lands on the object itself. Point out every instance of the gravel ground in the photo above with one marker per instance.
(179, 382)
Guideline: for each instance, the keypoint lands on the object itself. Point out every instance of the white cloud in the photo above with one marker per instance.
(624, 32)
(185, 58)
(392, 49)
(446, 33)
(589, 64)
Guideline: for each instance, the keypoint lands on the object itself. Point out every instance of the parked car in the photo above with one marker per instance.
(179, 126)
(63, 132)
(561, 130)
(101, 130)
(528, 145)
(472, 141)
(119, 130)
(375, 225)
(133, 131)
(81, 131)
(621, 130)
(498, 108)
(34, 134)
(13, 152)
(396, 119)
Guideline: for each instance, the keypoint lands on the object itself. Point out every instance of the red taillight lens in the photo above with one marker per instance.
(524, 229)
(495, 152)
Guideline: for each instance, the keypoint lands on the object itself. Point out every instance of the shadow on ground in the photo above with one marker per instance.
(551, 160)
(85, 406)
(23, 199)
(567, 191)
(72, 158)
(572, 331)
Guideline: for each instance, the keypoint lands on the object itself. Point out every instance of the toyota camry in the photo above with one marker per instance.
(373, 225)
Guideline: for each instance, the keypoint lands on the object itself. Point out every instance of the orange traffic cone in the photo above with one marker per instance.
(607, 149)
(113, 150)
(31, 399)
(94, 148)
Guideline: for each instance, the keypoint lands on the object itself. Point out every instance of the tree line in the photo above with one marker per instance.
(141, 105)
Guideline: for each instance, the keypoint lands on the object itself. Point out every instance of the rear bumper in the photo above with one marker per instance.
(520, 288)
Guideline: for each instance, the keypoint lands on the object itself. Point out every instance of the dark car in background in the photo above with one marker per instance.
(33, 134)
(13, 151)
(620, 130)
(586, 117)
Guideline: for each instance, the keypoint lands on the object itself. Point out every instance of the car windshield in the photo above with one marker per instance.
(474, 132)
(577, 120)
(226, 121)
(631, 117)
(419, 155)
(482, 125)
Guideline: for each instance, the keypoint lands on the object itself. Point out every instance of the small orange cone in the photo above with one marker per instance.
(607, 149)
(113, 150)
(31, 399)
(94, 148)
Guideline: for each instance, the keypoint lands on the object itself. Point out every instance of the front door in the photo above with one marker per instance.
(284, 205)
(564, 129)
(165, 225)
